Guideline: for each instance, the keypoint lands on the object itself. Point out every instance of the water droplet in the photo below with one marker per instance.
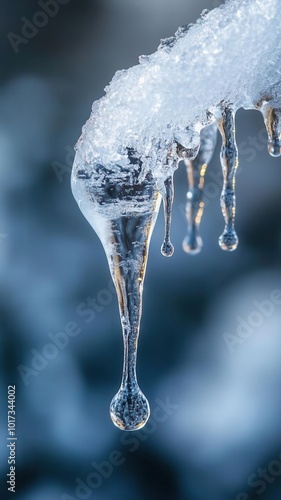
(167, 248)
(195, 174)
(272, 120)
(129, 409)
(229, 163)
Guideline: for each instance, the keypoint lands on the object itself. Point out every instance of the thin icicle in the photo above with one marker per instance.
(229, 163)
(196, 170)
(167, 248)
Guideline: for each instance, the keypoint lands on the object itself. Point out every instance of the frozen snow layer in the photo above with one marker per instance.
(231, 55)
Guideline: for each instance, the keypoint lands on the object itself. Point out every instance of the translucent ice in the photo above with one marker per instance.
(196, 170)
(165, 109)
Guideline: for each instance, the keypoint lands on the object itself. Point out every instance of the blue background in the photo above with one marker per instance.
(224, 423)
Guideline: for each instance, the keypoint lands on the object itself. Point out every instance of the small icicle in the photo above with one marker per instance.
(196, 170)
(167, 248)
(192, 243)
(272, 120)
(229, 163)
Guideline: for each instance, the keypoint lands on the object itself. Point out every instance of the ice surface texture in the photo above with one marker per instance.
(232, 55)
(165, 109)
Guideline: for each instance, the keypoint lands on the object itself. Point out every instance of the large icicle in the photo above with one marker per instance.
(127, 256)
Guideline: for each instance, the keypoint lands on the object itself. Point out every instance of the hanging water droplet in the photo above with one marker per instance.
(195, 174)
(272, 120)
(229, 163)
(167, 248)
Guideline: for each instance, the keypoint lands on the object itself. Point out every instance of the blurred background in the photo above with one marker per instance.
(209, 351)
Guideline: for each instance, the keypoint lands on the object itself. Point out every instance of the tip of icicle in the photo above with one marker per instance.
(274, 149)
(129, 412)
(228, 241)
(167, 249)
(192, 246)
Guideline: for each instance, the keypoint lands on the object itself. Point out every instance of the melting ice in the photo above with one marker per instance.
(166, 109)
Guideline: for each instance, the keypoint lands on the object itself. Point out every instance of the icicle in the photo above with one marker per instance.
(130, 236)
(147, 114)
(122, 207)
(195, 174)
(229, 163)
(167, 248)
(272, 120)
(127, 254)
